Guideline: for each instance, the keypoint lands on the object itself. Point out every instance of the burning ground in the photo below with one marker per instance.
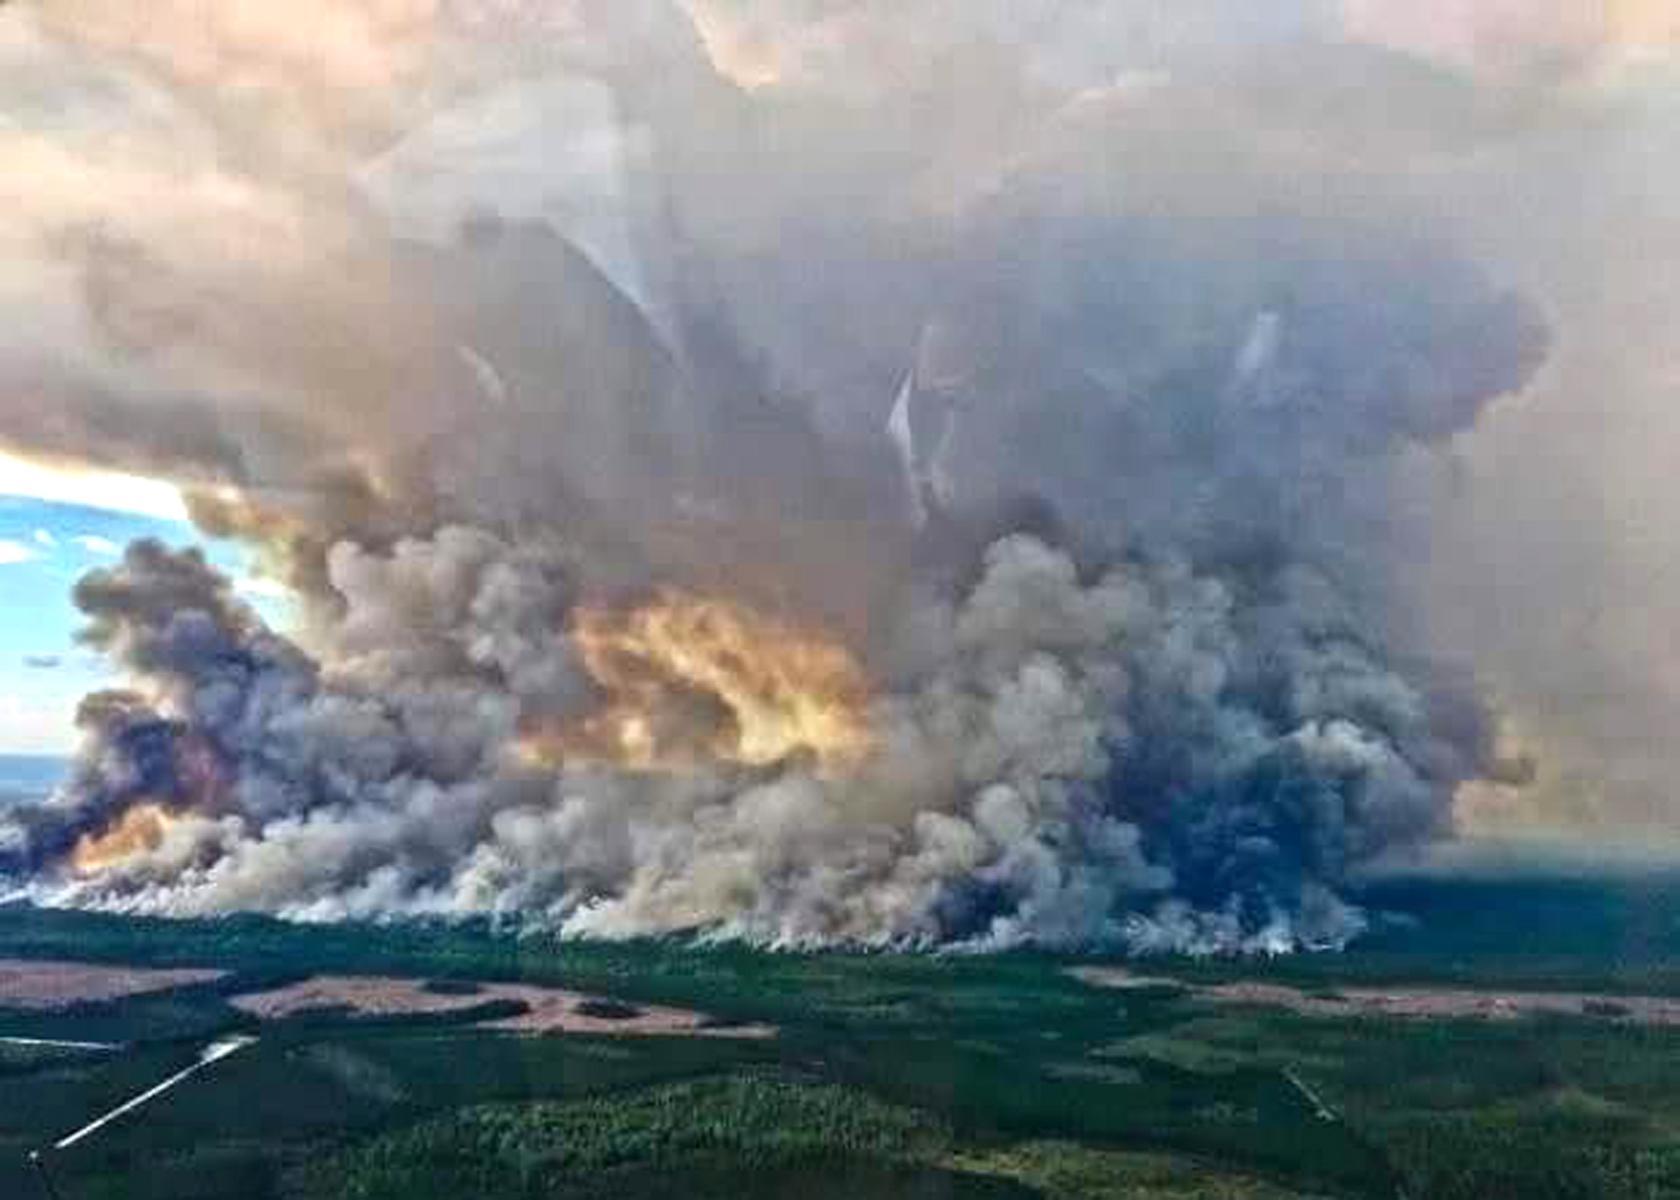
(832, 524)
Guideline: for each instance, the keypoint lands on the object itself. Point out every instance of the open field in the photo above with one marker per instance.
(545, 1010)
(1422, 1003)
(54, 985)
(889, 1075)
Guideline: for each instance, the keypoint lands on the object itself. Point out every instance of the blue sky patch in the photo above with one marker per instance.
(44, 548)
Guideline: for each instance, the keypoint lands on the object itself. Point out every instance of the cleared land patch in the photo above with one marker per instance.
(546, 1010)
(50, 985)
(1413, 1002)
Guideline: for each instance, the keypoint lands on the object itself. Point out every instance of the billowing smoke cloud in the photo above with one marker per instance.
(1059, 752)
(739, 483)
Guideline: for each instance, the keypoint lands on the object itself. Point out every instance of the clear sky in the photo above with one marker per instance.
(45, 545)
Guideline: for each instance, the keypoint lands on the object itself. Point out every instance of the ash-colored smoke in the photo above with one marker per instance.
(1064, 394)
(999, 806)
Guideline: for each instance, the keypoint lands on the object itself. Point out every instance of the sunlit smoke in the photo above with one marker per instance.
(688, 679)
(139, 830)
(113, 491)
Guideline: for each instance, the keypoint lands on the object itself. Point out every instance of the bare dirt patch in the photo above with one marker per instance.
(548, 1010)
(1428, 1003)
(45, 985)
(1421, 1003)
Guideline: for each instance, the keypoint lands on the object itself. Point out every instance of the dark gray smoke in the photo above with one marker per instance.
(1071, 394)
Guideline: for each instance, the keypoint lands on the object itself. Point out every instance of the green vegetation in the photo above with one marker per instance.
(1070, 1171)
(1533, 1108)
(23, 1060)
(892, 1076)
(288, 1096)
(760, 1125)
(452, 987)
(608, 1010)
(744, 1136)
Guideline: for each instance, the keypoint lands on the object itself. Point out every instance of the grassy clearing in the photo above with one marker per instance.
(1070, 1171)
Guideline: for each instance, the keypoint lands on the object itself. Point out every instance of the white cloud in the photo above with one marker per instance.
(262, 587)
(94, 544)
(108, 490)
(13, 552)
(44, 537)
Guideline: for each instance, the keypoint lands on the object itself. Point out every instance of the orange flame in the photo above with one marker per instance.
(140, 829)
(690, 679)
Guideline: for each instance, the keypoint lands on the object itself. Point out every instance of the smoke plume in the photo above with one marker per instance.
(883, 477)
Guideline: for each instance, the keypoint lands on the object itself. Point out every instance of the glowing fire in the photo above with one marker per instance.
(690, 680)
(140, 829)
